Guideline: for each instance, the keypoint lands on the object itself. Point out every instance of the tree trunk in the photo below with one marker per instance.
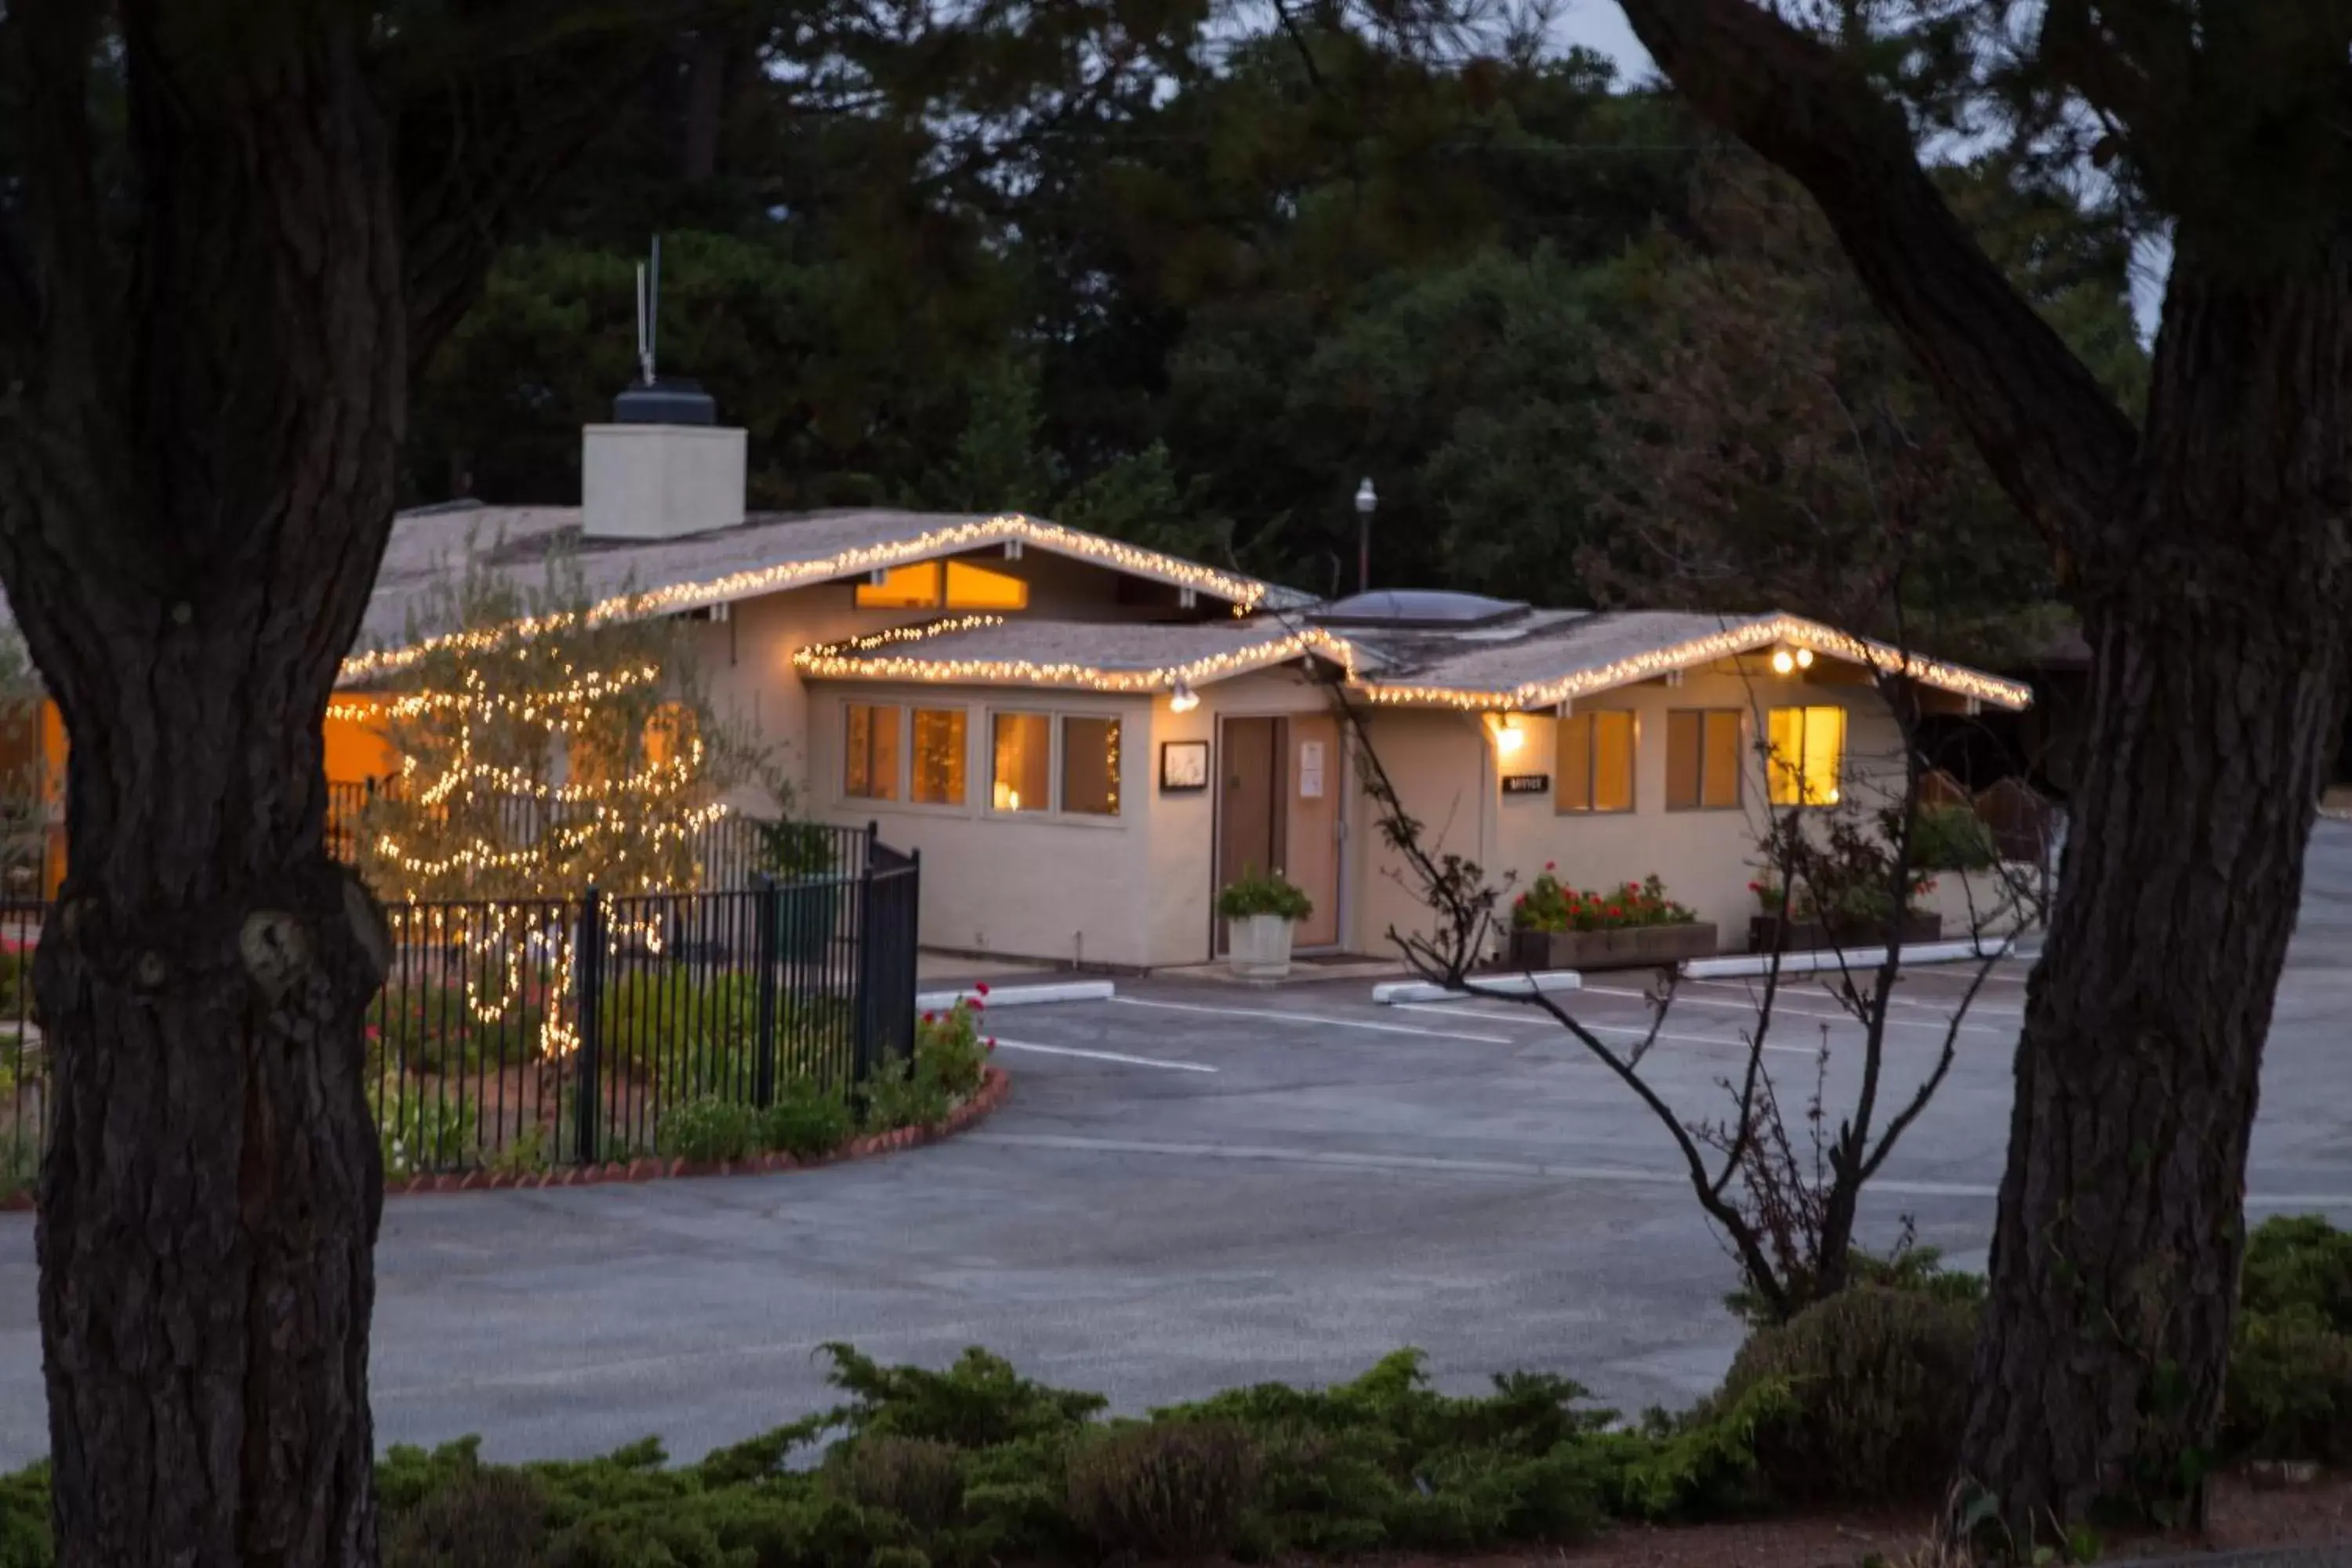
(2219, 659)
(195, 486)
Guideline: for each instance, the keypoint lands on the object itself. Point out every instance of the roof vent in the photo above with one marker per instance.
(1410, 608)
(665, 467)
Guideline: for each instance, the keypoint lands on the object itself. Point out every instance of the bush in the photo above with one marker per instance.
(483, 1518)
(2299, 1262)
(2289, 1395)
(948, 1050)
(1951, 838)
(1270, 894)
(920, 1479)
(422, 1126)
(25, 1519)
(1166, 1489)
(1878, 1380)
(807, 1119)
(710, 1129)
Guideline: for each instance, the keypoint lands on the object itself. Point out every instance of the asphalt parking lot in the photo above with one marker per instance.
(1198, 1184)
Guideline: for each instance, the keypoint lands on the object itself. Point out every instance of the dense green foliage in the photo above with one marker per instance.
(1192, 281)
(1856, 1399)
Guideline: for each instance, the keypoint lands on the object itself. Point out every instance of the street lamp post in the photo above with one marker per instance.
(1365, 502)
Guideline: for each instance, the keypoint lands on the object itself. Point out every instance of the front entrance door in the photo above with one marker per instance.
(1278, 809)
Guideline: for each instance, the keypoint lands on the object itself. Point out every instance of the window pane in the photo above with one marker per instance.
(1021, 776)
(1825, 754)
(1612, 762)
(1684, 754)
(939, 756)
(1090, 766)
(1785, 733)
(870, 751)
(1721, 771)
(971, 587)
(915, 587)
(1572, 786)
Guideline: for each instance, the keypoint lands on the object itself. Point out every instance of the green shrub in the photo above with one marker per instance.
(710, 1129)
(434, 1028)
(25, 1540)
(20, 1162)
(1879, 1381)
(2289, 1395)
(920, 1479)
(1951, 837)
(1165, 1489)
(483, 1518)
(807, 1119)
(422, 1126)
(978, 1403)
(1270, 893)
(2299, 1261)
(949, 1053)
(900, 1095)
(16, 1001)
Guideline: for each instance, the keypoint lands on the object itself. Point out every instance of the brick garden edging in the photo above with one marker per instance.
(994, 1087)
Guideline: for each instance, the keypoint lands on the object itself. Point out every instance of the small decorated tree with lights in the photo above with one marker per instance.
(534, 763)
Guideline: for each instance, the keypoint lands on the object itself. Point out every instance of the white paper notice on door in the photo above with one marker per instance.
(1310, 770)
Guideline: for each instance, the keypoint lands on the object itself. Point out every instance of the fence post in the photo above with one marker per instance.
(588, 990)
(861, 1065)
(764, 921)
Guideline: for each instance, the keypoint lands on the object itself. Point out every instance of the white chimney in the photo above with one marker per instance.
(663, 468)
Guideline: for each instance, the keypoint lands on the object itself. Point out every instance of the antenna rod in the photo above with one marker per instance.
(644, 359)
(653, 312)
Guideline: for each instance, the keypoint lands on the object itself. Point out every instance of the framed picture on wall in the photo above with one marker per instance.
(1184, 765)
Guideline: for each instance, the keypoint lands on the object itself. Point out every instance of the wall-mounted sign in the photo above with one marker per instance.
(1527, 784)
(1184, 765)
(1310, 770)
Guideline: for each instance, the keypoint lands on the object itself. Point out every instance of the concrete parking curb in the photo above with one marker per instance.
(2331, 1555)
(1389, 994)
(995, 1086)
(1742, 964)
(1019, 995)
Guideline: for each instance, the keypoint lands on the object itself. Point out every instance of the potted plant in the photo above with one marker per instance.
(1840, 897)
(1555, 926)
(1259, 911)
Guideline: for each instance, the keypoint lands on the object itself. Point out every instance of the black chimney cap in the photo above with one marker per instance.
(670, 400)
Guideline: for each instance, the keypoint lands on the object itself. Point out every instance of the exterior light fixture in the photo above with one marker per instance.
(1367, 500)
(1509, 736)
(1181, 697)
(1804, 658)
(1782, 661)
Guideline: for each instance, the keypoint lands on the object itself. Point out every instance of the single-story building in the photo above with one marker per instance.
(1086, 739)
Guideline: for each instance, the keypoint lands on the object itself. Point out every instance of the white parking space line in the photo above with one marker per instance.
(1634, 1031)
(1004, 1045)
(1780, 1009)
(1310, 1018)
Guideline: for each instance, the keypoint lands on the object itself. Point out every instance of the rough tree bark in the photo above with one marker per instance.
(202, 381)
(2208, 557)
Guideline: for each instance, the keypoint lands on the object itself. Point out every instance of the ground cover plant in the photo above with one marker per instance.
(1851, 1401)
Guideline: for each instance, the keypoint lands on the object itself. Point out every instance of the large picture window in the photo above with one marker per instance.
(1808, 756)
(1021, 770)
(1703, 759)
(957, 585)
(869, 768)
(939, 756)
(1595, 766)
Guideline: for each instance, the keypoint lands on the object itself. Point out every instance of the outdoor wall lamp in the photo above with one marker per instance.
(1509, 736)
(1783, 661)
(1181, 697)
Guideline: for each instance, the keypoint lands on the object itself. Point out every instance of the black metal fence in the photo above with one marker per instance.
(521, 1034)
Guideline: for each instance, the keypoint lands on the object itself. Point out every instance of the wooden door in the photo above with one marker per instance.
(1311, 825)
(1250, 821)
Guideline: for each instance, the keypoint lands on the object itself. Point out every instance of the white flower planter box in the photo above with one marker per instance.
(1258, 947)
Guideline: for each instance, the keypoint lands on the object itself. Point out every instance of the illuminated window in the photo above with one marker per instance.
(1808, 756)
(1703, 759)
(971, 587)
(869, 764)
(915, 587)
(1090, 766)
(939, 758)
(1021, 770)
(1596, 763)
(670, 734)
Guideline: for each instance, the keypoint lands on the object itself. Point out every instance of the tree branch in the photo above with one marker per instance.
(2057, 444)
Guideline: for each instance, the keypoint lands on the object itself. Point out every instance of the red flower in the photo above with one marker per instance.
(982, 988)
(930, 1017)
(1552, 865)
(1520, 900)
(991, 1042)
(1616, 912)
